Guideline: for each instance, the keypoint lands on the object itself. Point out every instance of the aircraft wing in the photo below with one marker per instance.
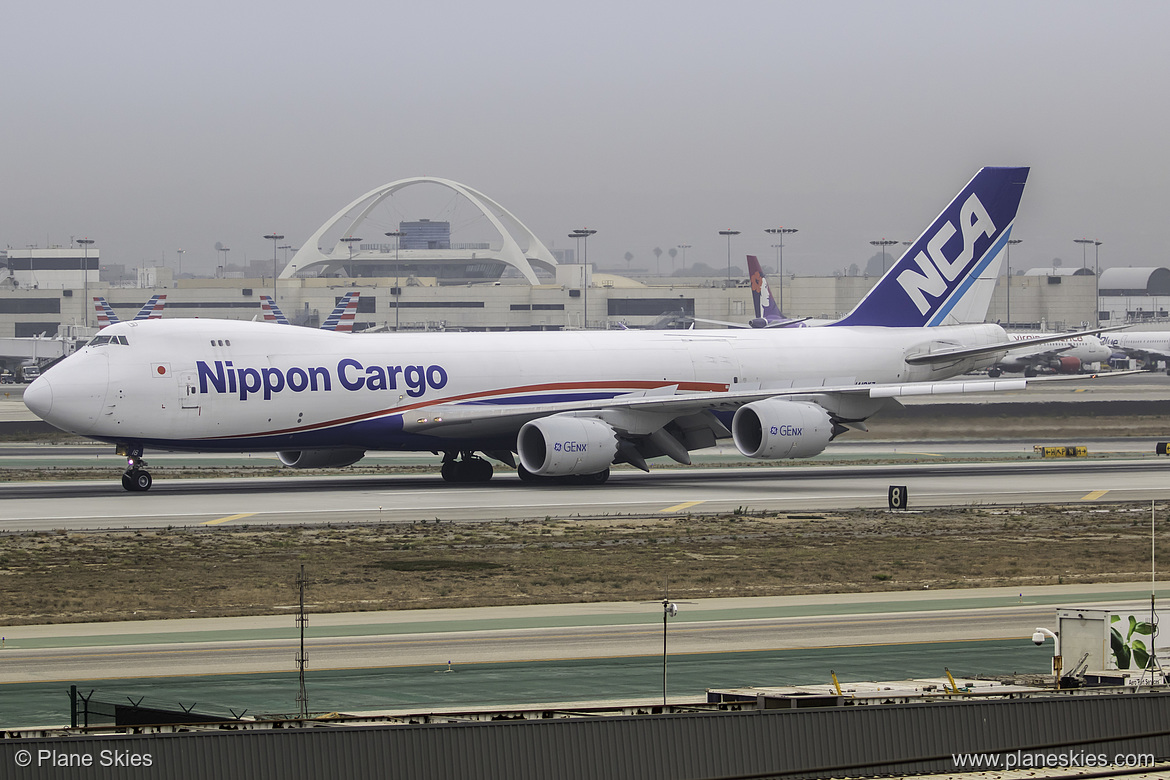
(784, 323)
(646, 411)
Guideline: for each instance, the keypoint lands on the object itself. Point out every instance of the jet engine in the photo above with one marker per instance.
(320, 459)
(1068, 365)
(774, 428)
(559, 446)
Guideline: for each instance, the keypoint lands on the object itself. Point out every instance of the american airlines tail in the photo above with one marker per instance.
(151, 310)
(947, 276)
(341, 320)
(105, 313)
(272, 312)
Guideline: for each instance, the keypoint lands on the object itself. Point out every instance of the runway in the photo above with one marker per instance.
(90, 505)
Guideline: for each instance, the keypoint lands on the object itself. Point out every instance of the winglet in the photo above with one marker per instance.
(947, 276)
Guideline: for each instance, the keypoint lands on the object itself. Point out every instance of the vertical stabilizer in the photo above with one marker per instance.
(272, 312)
(341, 320)
(947, 276)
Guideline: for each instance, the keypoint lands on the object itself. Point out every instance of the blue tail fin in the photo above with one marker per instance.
(947, 276)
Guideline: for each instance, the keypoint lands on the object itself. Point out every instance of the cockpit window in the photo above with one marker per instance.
(98, 341)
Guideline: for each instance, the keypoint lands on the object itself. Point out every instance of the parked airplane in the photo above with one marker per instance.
(767, 312)
(1148, 346)
(570, 404)
(151, 310)
(340, 320)
(1069, 355)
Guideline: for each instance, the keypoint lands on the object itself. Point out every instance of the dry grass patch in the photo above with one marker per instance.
(60, 577)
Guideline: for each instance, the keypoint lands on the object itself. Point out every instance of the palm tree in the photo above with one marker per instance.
(657, 254)
(673, 254)
(629, 258)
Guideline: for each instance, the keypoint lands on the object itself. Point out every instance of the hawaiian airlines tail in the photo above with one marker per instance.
(768, 313)
(947, 276)
(151, 310)
(341, 320)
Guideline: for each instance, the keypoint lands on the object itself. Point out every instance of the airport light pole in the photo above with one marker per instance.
(349, 242)
(1009, 278)
(180, 252)
(729, 233)
(1097, 282)
(684, 248)
(85, 242)
(1084, 242)
(274, 237)
(585, 233)
(397, 236)
(883, 243)
(780, 232)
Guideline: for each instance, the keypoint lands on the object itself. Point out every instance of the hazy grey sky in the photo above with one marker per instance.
(153, 126)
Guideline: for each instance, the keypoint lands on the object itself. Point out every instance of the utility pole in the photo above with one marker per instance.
(302, 696)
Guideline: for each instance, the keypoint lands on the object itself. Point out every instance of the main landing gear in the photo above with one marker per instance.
(135, 478)
(467, 468)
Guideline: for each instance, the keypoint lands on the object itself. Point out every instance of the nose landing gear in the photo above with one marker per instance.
(135, 478)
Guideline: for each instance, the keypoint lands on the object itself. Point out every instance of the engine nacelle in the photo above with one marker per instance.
(1068, 365)
(774, 428)
(560, 446)
(320, 459)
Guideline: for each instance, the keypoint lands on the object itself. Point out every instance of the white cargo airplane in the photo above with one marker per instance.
(570, 404)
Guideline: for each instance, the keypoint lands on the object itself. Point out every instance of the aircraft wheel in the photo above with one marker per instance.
(450, 471)
(994, 373)
(137, 481)
(1030, 372)
(475, 470)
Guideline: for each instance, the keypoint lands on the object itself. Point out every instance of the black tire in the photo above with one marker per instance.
(478, 470)
(451, 471)
(137, 481)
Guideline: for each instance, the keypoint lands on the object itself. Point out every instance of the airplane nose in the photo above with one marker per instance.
(71, 394)
(38, 397)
